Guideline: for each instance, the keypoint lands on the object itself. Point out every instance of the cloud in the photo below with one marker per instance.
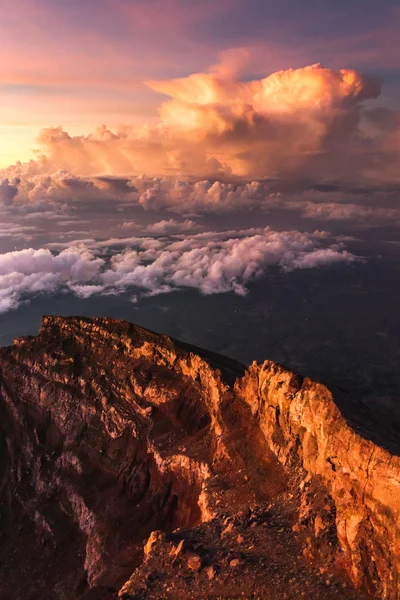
(212, 263)
(205, 195)
(351, 212)
(164, 227)
(37, 188)
(9, 230)
(31, 271)
(302, 123)
(221, 144)
(173, 226)
(37, 182)
(97, 207)
(320, 258)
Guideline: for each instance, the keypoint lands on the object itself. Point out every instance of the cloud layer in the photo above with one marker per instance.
(301, 141)
(212, 262)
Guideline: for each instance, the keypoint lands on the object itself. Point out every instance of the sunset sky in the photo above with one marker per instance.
(82, 63)
(150, 146)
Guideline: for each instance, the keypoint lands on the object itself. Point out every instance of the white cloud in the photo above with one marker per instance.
(213, 263)
(30, 271)
(172, 226)
(85, 291)
(320, 258)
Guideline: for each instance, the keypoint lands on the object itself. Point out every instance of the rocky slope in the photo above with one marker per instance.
(135, 466)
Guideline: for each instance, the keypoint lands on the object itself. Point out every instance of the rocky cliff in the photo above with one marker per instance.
(135, 466)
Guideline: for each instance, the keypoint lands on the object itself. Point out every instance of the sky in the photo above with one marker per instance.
(150, 146)
(82, 63)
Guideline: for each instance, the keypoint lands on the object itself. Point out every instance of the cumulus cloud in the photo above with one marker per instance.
(32, 271)
(54, 194)
(37, 182)
(305, 122)
(205, 195)
(221, 144)
(298, 123)
(173, 226)
(212, 263)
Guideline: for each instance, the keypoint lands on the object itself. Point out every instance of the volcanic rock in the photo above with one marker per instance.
(128, 458)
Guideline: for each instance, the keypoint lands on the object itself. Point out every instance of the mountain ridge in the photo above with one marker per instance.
(113, 433)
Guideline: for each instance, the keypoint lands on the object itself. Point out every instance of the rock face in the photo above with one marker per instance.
(135, 466)
(361, 481)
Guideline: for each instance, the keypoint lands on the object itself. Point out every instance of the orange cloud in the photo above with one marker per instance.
(302, 123)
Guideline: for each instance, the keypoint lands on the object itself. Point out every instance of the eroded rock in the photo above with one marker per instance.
(112, 436)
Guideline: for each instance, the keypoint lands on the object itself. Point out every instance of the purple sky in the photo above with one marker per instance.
(84, 62)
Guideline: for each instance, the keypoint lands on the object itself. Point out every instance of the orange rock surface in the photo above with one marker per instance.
(119, 446)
